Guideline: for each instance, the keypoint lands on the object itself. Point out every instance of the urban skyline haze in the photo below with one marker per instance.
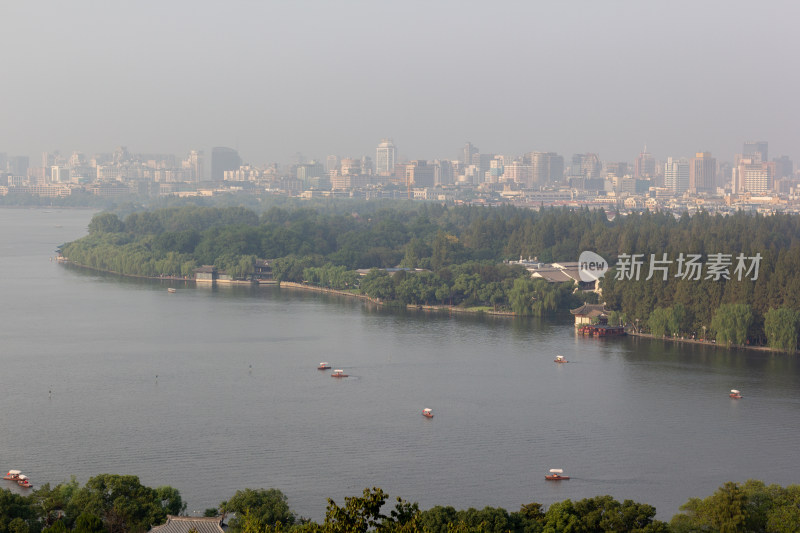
(273, 79)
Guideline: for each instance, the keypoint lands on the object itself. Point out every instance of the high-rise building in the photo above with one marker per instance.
(222, 159)
(546, 168)
(619, 168)
(676, 175)
(586, 165)
(753, 175)
(385, 158)
(332, 163)
(518, 172)
(443, 172)
(784, 167)
(702, 173)
(59, 174)
(307, 171)
(645, 166)
(467, 153)
(752, 148)
(350, 167)
(367, 166)
(420, 174)
(18, 165)
(195, 165)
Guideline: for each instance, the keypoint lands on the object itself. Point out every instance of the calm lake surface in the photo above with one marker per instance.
(215, 390)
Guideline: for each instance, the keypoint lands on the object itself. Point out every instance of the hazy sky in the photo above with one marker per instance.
(275, 78)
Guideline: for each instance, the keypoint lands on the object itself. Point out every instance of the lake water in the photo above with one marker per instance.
(212, 390)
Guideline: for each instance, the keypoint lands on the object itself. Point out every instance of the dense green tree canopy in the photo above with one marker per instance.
(451, 241)
(265, 506)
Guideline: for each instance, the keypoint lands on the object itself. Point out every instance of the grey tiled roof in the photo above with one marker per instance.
(182, 524)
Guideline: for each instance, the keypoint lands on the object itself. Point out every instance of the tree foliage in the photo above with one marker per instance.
(731, 322)
(782, 327)
(452, 241)
(260, 506)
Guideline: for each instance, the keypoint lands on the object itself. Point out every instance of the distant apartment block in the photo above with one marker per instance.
(702, 173)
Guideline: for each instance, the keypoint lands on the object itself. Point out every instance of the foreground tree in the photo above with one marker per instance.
(266, 507)
(781, 328)
(124, 504)
(751, 506)
(731, 322)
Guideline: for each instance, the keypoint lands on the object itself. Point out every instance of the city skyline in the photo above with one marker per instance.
(271, 80)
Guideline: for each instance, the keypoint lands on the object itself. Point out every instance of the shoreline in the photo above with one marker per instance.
(435, 308)
(711, 343)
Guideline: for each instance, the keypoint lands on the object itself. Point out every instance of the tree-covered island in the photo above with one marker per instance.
(459, 256)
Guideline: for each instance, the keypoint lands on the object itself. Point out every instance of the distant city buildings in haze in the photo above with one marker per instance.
(532, 178)
(222, 159)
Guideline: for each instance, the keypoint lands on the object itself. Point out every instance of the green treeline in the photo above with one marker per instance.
(455, 256)
(121, 504)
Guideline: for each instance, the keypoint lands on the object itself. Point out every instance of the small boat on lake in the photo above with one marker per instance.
(338, 373)
(171, 289)
(556, 475)
(13, 475)
(324, 366)
(24, 481)
(735, 394)
(427, 412)
(560, 359)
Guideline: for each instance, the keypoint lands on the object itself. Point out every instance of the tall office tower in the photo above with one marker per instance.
(385, 158)
(586, 165)
(467, 153)
(3, 161)
(444, 172)
(645, 166)
(619, 169)
(784, 167)
(223, 159)
(331, 163)
(547, 167)
(195, 165)
(18, 165)
(756, 147)
(483, 161)
(753, 175)
(676, 175)
(702, 173)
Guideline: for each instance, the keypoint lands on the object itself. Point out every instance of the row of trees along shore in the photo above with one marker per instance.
(111, 503)
(458, 256)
